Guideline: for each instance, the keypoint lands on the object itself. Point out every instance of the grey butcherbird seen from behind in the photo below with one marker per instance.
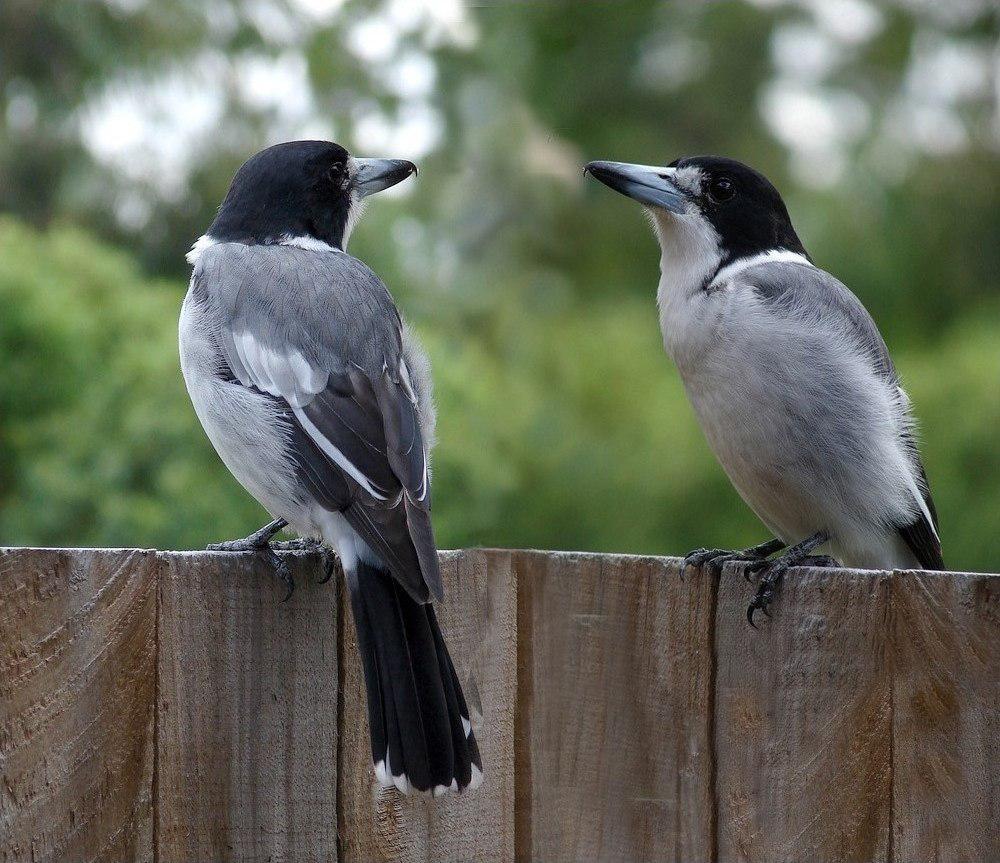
(787, 373)
(318, 400)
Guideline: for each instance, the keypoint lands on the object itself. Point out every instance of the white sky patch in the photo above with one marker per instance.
(148, 130)
(946, 70)
(411, 76)
(132, 210)
(407, 15)
(446, 22)
(817, 124)
(819, 169)
(807, 118)
(274, 21)
(668, 62)
(152, 130)
(853, 22)
(321, 11)
(280, 84)
(943, 76)
(312, 128)
(411, 134)
(953, 13)
(803, 51)
(373, 40)
(947, 80)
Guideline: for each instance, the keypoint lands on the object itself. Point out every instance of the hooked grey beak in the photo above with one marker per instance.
(646, 184)
(374, 175)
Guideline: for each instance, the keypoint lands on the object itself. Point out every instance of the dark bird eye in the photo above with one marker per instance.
(335, 173)
(721, 189)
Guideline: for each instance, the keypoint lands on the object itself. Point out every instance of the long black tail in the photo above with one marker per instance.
(420, 729)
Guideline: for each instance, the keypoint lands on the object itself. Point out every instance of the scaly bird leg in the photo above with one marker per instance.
(772, 571)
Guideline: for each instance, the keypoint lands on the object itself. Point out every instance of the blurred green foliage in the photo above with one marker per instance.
(562, 423)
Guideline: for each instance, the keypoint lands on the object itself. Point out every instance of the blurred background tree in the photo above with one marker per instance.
(562, 422)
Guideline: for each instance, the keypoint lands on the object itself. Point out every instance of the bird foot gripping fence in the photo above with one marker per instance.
(168, 707)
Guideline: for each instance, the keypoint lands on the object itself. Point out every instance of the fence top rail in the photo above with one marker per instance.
(563, 555)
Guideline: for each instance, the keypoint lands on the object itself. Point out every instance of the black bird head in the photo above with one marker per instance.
(740, 205)
(302, 191)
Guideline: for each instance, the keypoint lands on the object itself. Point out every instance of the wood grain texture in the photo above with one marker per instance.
(77, 693)
(946, 717)
(247, 713)
(478, 618)
(615, 688)
(803, 720)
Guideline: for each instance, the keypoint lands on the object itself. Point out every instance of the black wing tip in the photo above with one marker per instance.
(922, 540)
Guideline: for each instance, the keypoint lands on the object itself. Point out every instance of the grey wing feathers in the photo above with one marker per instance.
(805, 290)
(810, 290)
(320, 332)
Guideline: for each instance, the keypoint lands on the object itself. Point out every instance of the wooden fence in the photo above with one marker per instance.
(169, 707)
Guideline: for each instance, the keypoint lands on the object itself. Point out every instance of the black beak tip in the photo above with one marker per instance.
(600, 171)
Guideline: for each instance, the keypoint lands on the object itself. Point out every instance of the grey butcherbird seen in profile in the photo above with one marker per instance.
(319, 402)
(787, 373)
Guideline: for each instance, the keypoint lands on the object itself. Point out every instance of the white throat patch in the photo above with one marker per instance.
(354, 213)
(689, 251)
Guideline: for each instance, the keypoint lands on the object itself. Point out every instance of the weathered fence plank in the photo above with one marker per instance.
(946, 717)
(478, 618)
(171, 707)
(803, 720)
(614, 754)
(247, 713)
(77, 692)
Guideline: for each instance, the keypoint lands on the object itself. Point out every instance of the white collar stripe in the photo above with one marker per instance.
(303, 242)
(774, 256)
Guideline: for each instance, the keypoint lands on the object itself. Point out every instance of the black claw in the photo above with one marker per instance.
(260, 543)
(692, 558)
(759, 604)
(713, 558)
(765, 593)
(774, 570)
(327, 568)
(281, 569)
(752, 567)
